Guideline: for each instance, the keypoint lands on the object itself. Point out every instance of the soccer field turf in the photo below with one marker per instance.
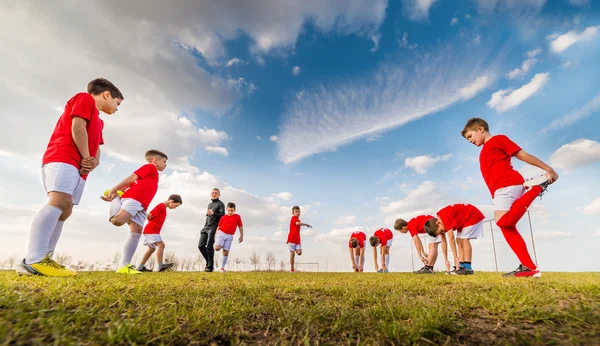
(300, 308)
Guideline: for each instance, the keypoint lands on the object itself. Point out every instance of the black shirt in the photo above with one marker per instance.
(212, 221)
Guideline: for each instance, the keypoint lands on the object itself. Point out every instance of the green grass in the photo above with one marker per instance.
(300, 308)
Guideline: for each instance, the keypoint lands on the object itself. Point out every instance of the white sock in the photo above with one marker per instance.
(42, 228)
(356, 259)
(223, 261)
(387, 261)
(55, 236)
(115, 206)
(129, 249)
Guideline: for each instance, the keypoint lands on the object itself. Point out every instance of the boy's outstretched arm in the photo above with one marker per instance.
(354, 265)
(445, 251)
(420, 250)
(534, 161)
(241, 239)
(361, 260)
(375, 258)
(303, 224)
(453, 248)
(123, 183)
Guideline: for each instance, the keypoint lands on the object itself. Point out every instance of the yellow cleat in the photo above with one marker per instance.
(128, 269)
(50, 267)
(120, 193)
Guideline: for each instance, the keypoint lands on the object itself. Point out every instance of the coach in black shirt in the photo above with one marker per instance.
(215, 210)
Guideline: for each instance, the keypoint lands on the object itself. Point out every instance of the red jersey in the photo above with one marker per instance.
(384, 235)
(495, 165)
(459, 216)
(416, 225)
(361, 239)
(159, 214)
(61, 147)
(229, 224)
(145, 187)
(294, 235)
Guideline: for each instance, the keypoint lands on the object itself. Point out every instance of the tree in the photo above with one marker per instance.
(282, 265)
(171, 258)
(200, 262)
(115, 259)
(237, 262)
(255, 260)
(271, 260)
(64, 259)
(11, 261)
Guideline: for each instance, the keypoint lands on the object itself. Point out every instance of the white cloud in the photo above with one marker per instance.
(182, 164)
(216, 150)
(454, 21)
(533, 53)
(403, 42)
(593, 208)
(522, 71)
(574, 116)
(576, 154)
(274, 139)
(467, 16)
(597, 234)
(417, 9)
(284, 196)
(427, 198)
(296, 70)
(258, 137)
(333, 114)
(422, 163)
(567, 64)
(549, 235)
(580, 3)
(375, 38)
(563, 42)
(518, 6)
(346, 220)
(235, 61)
(503, 100)
(340, 236)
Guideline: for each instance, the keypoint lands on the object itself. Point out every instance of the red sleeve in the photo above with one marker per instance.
(509, 147)
(83, 106)
(158, 210)
(145, 171)
(239, 221)
(412, 227)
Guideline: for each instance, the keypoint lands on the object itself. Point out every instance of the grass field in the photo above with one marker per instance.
(300, 308)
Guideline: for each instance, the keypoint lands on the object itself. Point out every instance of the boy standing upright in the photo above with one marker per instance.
(510, 200)
(293, 239)
(72, 153)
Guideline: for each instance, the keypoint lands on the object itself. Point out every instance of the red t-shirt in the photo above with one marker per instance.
(494, 162)
(229, 224)
(145, 187)
(159, 214)
(294, 235)
(61, 147)
(361, 239)
(458, 216)
(384, 234)
(416, 225)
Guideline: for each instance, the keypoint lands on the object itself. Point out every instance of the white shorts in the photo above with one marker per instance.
(506, 196)
(471, 232)
(389, 243)
(224, 240)
(133, 207)
(431, 239)
(151, 239)
(63, 177)
(293, 247)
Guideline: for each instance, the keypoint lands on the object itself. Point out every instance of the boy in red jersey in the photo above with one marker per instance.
(72, 153)
(293, 239)
(357, 250)
(130, 206)
(510, 200)
(152, 239)
(226, 231)
(416, 226)
(467, 221)
(383, 237)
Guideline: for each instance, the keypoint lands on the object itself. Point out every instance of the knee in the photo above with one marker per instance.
(66, 213)
(116, 221)
(217, 248)
(299, 252)
(160, 246)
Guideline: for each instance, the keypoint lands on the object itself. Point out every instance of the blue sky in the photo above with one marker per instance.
(350, 109)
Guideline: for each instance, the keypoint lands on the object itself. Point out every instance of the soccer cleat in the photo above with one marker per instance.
(531, 182)
(165, 267)
(523, 271)
(119, 193)
(47, 267)
(292, 270)
(424, 270)
(25, 269)
(143, 269)
(222, 270)
(128, 269)
(544, 187)
(208, 269)
(464, 271)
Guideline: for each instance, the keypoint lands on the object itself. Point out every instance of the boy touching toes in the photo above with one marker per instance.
(382, 238)
(356, 247)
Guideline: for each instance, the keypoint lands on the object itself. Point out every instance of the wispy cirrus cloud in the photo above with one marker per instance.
(574, 116)
(329, 115)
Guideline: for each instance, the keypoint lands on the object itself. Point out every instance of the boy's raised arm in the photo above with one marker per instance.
(123, 183)
(534, 161)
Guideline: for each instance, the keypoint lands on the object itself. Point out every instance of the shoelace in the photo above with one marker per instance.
(52, 263)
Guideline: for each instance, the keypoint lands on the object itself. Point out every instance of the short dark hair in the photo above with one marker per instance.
(399, 224)
(176, 199)
(231, 205)
(154, 153)
(100, 85)
(354, 242)
(473, 124)
(295, 208)
(374, 240)
(431, 227)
